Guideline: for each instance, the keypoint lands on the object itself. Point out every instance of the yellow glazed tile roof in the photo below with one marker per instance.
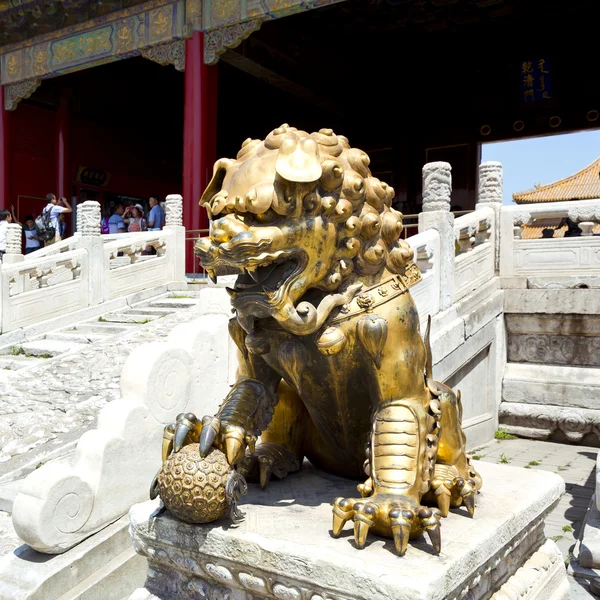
(583, 185)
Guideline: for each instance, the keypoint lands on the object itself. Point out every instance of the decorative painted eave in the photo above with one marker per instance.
(155, 29)
(583, 185)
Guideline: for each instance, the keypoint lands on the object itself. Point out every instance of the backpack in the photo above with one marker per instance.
(104, 227)
(43, 226)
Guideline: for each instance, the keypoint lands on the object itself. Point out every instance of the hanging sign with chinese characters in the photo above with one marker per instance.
(536, 80)
(90, 176)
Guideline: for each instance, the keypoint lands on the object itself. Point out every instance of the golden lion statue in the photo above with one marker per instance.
(332, 363)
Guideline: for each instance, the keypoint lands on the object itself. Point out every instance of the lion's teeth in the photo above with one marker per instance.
(254, 274)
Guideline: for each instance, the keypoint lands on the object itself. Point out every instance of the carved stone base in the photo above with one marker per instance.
(284, 549)
(540, 421)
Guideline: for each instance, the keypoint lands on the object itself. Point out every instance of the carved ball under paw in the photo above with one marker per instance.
(197, 489)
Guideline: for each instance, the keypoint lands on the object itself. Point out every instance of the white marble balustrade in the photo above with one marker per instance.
(426, 293)
(43, 288)
(474, 263)
(88, 269)
(550, 256)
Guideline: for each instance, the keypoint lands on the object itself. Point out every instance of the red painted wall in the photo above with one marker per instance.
(32, 168)
(135, 165)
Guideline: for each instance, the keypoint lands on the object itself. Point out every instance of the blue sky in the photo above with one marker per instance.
(543, 159)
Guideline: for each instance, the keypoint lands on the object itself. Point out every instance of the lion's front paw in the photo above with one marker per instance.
(268, 459)
(390, 515)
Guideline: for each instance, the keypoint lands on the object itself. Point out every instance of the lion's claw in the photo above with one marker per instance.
(454, 493)
(267, 460)
(186, 425)
(388, 516)
(401, 522)
(210, 429)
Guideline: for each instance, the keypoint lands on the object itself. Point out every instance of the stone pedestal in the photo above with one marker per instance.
(284, 549)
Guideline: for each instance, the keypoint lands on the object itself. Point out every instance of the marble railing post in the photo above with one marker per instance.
(174, 212)
(89, 228)
(176, 251)
(437, 189)
(88, 219)
(489, 194)
(14, 244)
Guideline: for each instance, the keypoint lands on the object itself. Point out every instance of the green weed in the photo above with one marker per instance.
(502, 434)
(504, 459)
(16, 351)
(557, 538)
(477, 456)
(533, 463)
(102, 320)
(567, 529)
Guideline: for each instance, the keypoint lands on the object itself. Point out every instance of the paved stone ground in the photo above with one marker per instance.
(64, 395)
(575, 464)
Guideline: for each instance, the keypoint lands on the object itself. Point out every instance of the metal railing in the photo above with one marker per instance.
(411, 227)
(191, 235)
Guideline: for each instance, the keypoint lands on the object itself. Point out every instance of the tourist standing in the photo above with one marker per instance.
(32, 242)
(156, 217)
(136, 220)
(5, 219)
(115, 222)
(62, 226)
(56, 207)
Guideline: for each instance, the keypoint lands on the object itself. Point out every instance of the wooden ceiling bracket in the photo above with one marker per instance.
(15, 92)
(218, 41)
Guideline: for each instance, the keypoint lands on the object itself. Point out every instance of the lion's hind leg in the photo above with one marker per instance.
(455, 481)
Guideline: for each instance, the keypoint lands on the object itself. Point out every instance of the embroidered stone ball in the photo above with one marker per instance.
(194, 488)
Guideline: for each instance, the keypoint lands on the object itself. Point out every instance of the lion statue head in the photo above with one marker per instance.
(302, 220)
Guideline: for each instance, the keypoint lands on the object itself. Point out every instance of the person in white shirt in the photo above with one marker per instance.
(56, 207)
(5, 219)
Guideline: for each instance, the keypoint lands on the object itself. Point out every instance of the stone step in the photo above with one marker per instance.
(115, 580)
(140, 318)
(173, 303)
(100, 328)
(146, 310)
(102, 567)
(74, 336)
(9, 362)
(49, 348)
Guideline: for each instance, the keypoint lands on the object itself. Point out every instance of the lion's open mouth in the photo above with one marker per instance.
(268, 277)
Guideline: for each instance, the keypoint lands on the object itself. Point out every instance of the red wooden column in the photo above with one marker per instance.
(199, 135)
(63, 146)
(4, 155)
